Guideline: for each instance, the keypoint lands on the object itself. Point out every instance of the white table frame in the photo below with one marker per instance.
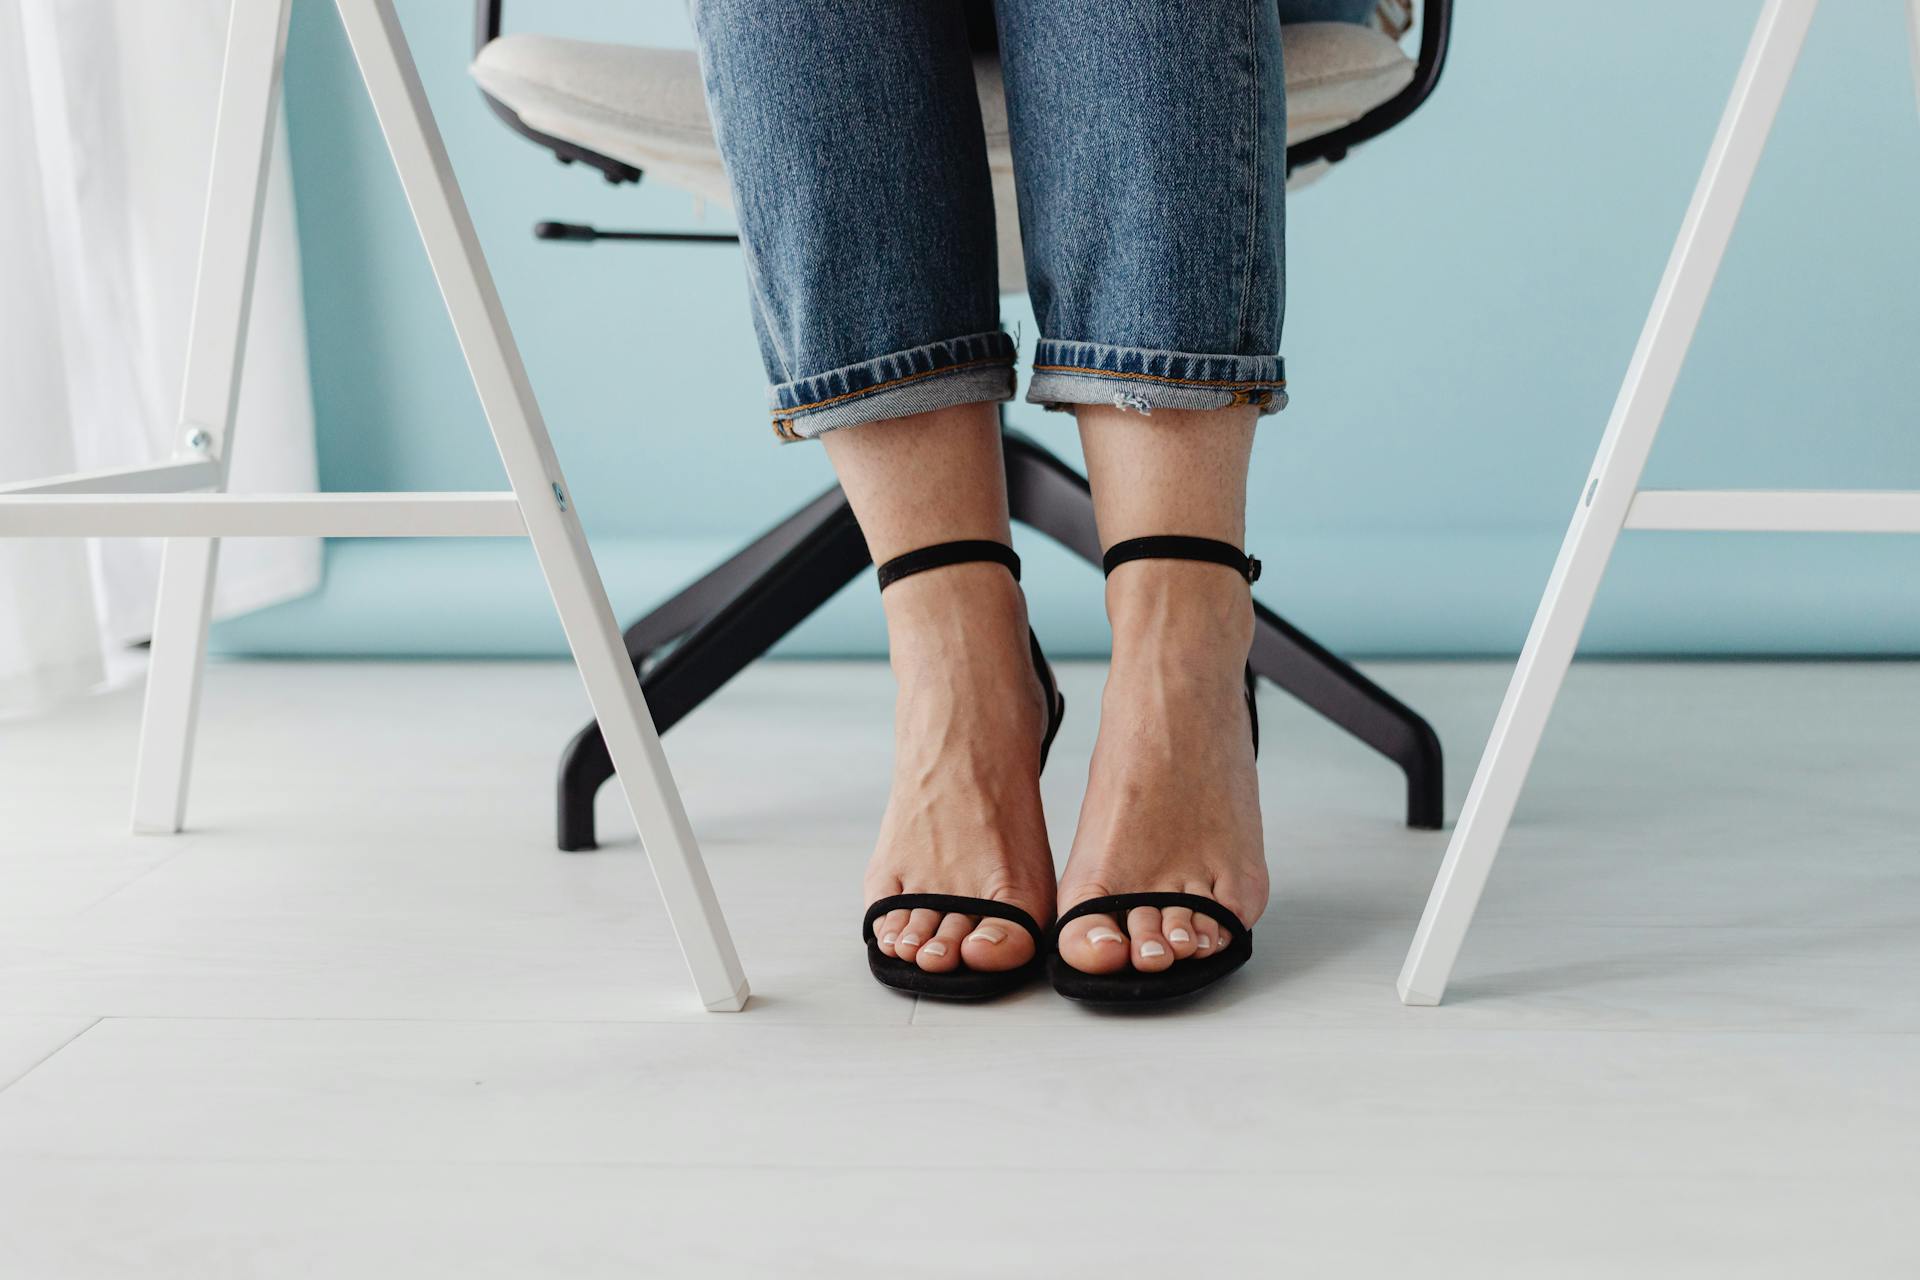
(184, 500)
(1611, 498)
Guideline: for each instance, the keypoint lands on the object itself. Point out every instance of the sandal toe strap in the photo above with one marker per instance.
(1118, 904)
(950, 902)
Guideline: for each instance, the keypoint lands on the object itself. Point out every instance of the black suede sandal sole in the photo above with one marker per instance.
(958, 984)
(1184, 978)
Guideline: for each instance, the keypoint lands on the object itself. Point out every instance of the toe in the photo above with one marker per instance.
(996, 945)
(918, 931)
(1206, 935)
(886, 930)
(1151, 953)
(941, 954)
(1094, 944)
(1177, 924)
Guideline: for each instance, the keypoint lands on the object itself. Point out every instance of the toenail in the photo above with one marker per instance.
(1152, 949)
(909, 939)
(890, 938)
(934, 948)
(993, 936)
(1099, 936)
(1205, 943)
(1178, 935)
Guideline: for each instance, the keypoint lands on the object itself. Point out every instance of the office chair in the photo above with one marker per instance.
(628, 111)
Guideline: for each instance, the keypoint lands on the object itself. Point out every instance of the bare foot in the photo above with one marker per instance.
(1173, 802)
(964, 816)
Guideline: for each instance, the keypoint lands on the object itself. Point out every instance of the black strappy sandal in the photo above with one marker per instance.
(963, 984)
(1184, 977)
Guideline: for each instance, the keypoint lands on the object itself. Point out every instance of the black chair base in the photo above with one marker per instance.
(690, 646)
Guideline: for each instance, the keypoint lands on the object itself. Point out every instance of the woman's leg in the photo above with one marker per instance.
(1172, 800)
(853, 145)
(852, 137)
(1150, 147)
(964, 816)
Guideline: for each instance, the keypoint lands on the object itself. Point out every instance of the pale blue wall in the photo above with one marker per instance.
(1465, 297)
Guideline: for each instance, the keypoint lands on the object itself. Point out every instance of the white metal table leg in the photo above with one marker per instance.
(507, 397)
(1602, 507)
(216, 351)
(170, 717)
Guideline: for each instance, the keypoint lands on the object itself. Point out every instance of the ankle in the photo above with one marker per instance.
(959, 608)
(963, 629)
(1180, 620)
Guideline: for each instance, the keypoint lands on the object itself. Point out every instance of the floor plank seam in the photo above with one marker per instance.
(50, 1055)
(1417, 1022)
(117, 890)
(691, 1019)
(1715, 1177)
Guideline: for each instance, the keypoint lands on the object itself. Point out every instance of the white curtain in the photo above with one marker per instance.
(106, 125)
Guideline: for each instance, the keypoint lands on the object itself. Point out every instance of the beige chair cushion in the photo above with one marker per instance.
(646, 106)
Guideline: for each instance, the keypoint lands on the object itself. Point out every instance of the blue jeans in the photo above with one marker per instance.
(1149, 149)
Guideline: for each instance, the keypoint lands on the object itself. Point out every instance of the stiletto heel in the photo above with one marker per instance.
(1187, 977)
(964, 984)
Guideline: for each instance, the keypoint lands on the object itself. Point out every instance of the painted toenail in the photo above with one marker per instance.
(909, 939)
(992, 936)
(890, 938)
(1099, 936)
(1152, 949)
(934, 948)
(1205, 943)
(1178, 935)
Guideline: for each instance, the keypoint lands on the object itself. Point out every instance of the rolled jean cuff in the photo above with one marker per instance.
(1070, 373)
(969, 370)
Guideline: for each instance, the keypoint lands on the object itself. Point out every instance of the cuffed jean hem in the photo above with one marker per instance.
(1071, 373)
(966, 370)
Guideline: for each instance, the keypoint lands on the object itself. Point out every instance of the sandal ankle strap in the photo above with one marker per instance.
(942, 554)
(1182, 547)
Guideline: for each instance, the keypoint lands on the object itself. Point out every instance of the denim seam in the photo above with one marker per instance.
(1160, 377)
(894, 382)
(1253, 167)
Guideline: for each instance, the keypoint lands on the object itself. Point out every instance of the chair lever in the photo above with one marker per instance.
(578, 231)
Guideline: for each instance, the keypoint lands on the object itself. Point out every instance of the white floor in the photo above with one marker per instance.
(363, 1021)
